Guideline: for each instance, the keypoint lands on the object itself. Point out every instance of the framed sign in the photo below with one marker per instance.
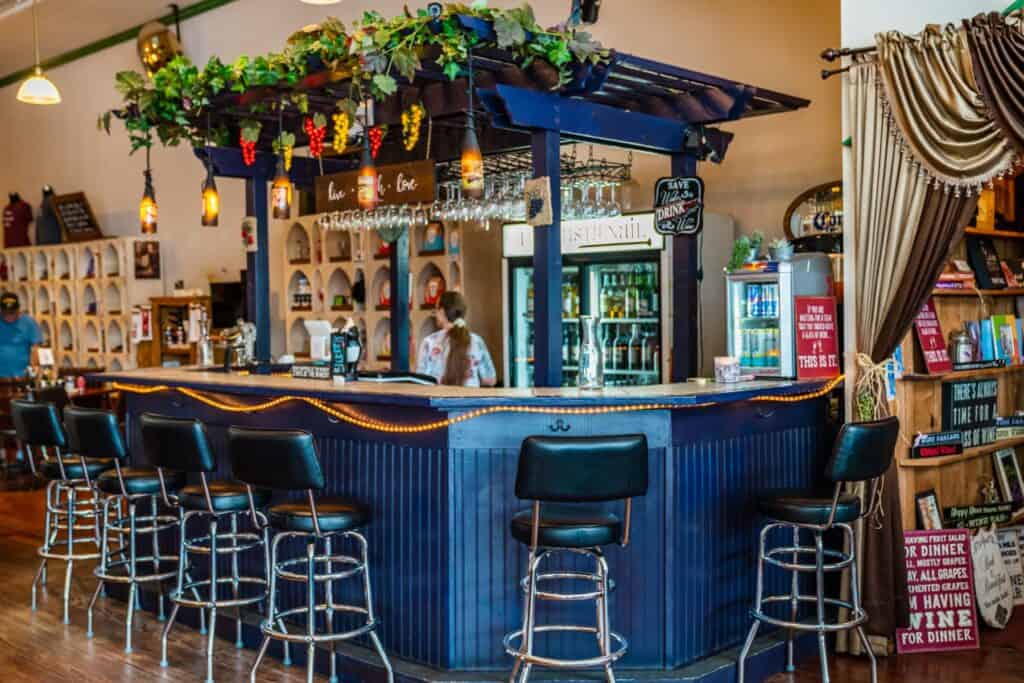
(147, 260)
(1008, 473)
(817, 337)
(941, 589)
(1009, 543)
(929, 515)
(538, 201)
(679, 206)
(933, 344)
(970, 407)
(978, 516)
(411, 183)
(991, 580)
(75, 216)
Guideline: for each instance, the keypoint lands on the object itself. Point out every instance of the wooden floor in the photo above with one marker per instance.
(37, 647)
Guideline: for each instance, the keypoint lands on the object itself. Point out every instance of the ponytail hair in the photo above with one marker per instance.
(457, 368)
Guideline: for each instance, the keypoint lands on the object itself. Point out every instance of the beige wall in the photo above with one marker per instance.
(772, 159)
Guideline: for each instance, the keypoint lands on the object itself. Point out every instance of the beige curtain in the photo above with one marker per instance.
(939, 111)
(885, 194)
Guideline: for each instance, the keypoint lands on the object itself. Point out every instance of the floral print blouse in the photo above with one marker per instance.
(433, 358)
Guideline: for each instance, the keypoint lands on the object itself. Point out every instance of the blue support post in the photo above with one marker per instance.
(261, 272)
(547, 267)
(400, 297)
(685, 277)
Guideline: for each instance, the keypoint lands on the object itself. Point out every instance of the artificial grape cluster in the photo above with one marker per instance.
(341, 125)
(288, 157)
(248, 150)
(376, 140)
(412, 118)
(316, 134)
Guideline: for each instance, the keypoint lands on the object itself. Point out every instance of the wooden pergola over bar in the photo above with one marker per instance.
(629, 102)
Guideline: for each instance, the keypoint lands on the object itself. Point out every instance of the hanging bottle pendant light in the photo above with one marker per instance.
(211, 198)
(472, 158)
(37, 88)
(147, 207)
(366, 188)
(281, 189)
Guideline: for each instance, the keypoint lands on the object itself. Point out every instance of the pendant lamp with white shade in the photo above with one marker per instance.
(37, 88)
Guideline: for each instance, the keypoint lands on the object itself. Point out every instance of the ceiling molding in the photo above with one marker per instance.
(189, 12)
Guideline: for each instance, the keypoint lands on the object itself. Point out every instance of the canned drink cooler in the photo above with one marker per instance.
(760, 316)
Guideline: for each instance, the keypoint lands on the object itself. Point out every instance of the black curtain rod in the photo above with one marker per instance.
(832, 54)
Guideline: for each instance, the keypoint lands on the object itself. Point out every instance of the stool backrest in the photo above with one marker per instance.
(863, 450)
(37, 424)
(94, 433)
(283, 459)
(582, 469)
(176, 443)
(55, 394)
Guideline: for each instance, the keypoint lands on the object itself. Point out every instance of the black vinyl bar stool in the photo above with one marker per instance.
(862, 453)
(286, 460)
(72, 504)
(173, 444)
(565, 474)
(93, 434)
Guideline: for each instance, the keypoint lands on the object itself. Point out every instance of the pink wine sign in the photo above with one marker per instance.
(941, 585)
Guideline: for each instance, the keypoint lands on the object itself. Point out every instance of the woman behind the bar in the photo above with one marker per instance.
(453, 354)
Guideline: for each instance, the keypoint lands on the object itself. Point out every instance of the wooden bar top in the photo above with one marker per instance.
(449, 397)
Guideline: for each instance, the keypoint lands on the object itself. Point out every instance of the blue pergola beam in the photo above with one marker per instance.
(524, 109)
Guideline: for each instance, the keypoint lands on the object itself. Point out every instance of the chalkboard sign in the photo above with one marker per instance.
(969, 406)
(679, 206)
(77, 221)
(410, 183)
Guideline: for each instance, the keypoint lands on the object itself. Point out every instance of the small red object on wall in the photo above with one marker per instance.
(931, 339)
(817, 337)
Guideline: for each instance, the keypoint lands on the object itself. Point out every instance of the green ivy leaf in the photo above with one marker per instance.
(128, 83)
(509, 31)
(452, 70)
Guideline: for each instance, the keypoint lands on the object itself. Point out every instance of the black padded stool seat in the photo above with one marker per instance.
(809, 507)
(73, 467)
(226, 496)
(333, 514)
(568, 526)
(139, 481)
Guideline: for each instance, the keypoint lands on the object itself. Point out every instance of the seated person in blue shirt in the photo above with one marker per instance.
(19, 337)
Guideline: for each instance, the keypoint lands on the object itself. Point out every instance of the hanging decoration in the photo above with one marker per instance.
(342, 125)
(375, 50)
(472, 157)
(211, 198)
(376, 137)
(366, 187)
(412, 120)
(147, 207)
(281, 189)
(316, 130)
(284, 146)
(248, 136)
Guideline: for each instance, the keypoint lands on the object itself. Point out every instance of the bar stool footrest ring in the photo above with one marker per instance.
(591, 663)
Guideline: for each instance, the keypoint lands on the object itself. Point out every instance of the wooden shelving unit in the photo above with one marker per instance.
(956, 479)
(155, 353)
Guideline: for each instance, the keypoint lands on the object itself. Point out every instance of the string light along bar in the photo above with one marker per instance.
(369, 423)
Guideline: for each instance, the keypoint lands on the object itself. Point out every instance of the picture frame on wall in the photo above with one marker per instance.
(929, 514)
(147, 260)
(1007, 468)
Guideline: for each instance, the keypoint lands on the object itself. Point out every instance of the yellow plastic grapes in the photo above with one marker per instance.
(412, 118)
(341, 127)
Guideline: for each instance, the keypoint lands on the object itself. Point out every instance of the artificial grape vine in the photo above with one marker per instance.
(316, 129)
(412, 119)
(376, 139)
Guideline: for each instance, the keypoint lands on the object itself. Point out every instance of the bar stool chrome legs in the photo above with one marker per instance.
(122, 565)
(71, 522)
(523, 653)
(274, 626)
(188, 593)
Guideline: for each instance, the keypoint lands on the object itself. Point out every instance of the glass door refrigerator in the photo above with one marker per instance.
(612, 268)
(762, 327)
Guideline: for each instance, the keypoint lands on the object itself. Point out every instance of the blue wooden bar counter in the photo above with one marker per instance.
(446, 569)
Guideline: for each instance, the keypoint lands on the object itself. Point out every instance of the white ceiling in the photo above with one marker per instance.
(68, 24)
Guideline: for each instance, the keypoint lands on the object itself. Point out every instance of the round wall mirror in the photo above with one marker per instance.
(818, 211)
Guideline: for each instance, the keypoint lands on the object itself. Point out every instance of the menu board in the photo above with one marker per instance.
(411, 183)
(940, 584)
(75, 216)
(679, 206)
(929, 336)
(817, 337)
(969, 407)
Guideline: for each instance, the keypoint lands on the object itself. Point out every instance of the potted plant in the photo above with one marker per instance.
(756, 242)
(781, 250)
(740, 253)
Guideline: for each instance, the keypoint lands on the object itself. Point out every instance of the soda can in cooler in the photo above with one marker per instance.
(751, 300)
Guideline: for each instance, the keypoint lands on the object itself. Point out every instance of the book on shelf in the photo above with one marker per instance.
(1005, 330)
(973, 330)
(956, 284)
(985, 261)
(988, 344)
(1010, 427)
